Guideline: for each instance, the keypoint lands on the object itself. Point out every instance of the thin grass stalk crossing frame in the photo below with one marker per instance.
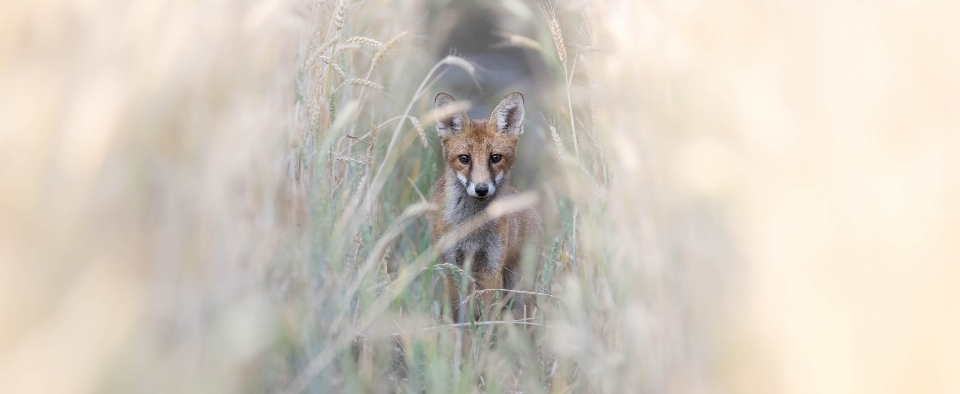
(405, 277)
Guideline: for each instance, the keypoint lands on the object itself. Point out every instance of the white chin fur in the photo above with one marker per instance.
(472, 191)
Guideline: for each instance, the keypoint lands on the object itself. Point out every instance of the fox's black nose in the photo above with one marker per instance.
(481, 190)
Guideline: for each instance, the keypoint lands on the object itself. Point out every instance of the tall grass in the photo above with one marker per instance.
(230, 197)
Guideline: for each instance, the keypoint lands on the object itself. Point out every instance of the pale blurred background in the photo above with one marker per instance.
(742, 196)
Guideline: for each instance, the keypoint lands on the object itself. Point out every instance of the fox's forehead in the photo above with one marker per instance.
(479, 136)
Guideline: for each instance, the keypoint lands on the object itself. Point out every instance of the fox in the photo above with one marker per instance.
(478, 156)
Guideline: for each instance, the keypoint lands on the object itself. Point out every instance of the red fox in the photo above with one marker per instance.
(478, 155)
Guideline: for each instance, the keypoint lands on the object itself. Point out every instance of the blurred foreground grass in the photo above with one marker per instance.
(226, 196)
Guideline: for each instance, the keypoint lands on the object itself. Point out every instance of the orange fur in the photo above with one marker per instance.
(467, 186)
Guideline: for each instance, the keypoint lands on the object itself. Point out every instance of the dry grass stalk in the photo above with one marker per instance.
(340, 15)
(458, 61)
(385, 260)
(364, 82)
(352, 160)
(438, 113)
(364, 40)
(334, 65)
(555, 32)
(385, 49)
(479, 292)
(451, 267)
(526, 322)
(352, 46)
(377, 182)
(420, 131)
(343, 339)
(374, 131)
(556, 139)
(518, 41)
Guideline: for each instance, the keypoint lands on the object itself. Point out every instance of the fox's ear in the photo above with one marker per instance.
(450, 117)
(508, 116)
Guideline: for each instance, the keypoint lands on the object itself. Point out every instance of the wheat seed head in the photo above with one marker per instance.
(420, 131)
(364, 40)
(340, 15)
(385, 49)
(364, 82)
(334, 65)
(556, 139)
(555, 32)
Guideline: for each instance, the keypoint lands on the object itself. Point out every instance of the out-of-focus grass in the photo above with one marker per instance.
(224, 197)
(821, 134)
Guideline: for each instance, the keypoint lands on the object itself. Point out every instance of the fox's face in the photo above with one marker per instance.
(480, 152)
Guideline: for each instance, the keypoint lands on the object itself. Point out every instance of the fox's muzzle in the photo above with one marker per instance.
(481, 190)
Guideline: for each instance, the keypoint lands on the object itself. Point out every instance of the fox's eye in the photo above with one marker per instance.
(464, 159)
(495, 158)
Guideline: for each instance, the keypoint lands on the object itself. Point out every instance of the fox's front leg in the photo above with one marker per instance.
(520, 302)
(488, 281)
(453, 279)
(453, 294)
